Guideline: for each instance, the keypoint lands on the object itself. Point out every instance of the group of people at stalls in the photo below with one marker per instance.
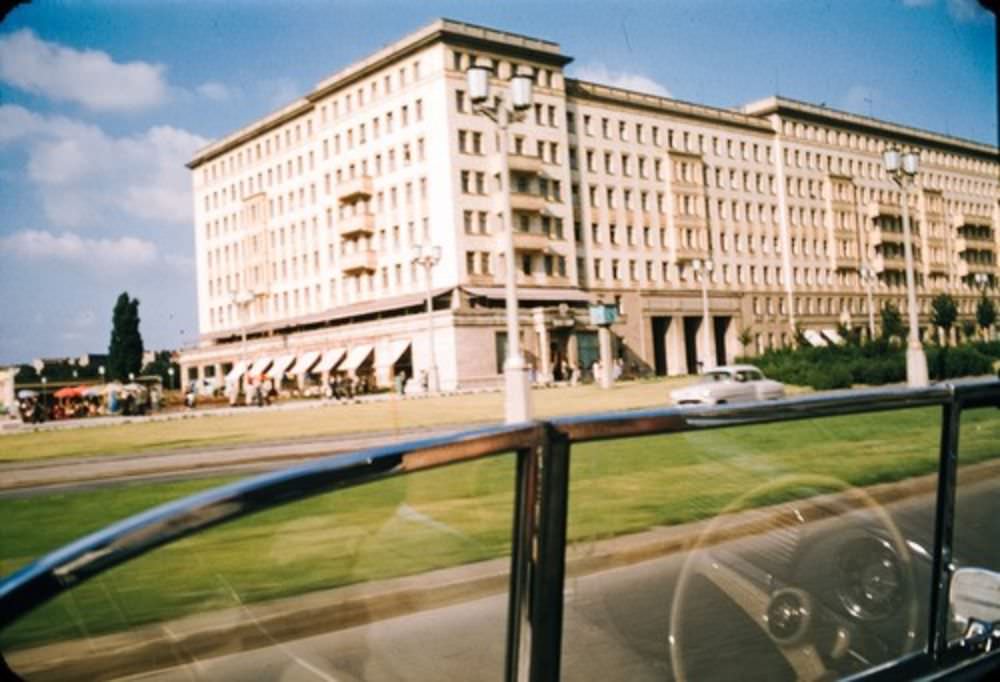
(75, 402)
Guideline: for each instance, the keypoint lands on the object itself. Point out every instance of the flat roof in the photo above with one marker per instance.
(784, 106)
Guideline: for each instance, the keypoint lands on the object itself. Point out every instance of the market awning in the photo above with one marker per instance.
(396, 350)
(833, 336)
(280, 366)
(236, 372)
(330, 360)
(306, 361)
(814, 337)
(259, 365)
(356, 357)
(67, 392)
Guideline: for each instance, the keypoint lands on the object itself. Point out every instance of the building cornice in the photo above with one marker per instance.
(700, 112)
(446, 31)
(803, 111)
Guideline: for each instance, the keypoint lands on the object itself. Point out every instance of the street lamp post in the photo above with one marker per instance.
(868, 278)
(242, 299)
(170, 373)
(982, 281)
(517, 380)
(703, 270)
(428, 256)
(902, 168)
(101, 371)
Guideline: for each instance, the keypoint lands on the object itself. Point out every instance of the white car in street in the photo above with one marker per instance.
(729, 384)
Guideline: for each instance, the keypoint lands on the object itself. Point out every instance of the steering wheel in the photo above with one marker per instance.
(813, 631)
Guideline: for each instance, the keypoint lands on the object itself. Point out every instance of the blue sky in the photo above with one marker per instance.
(101, 103)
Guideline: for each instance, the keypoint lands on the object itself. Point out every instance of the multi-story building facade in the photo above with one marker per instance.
(306, 221)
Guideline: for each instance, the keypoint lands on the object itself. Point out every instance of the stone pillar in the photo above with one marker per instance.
(676, 360)
(604, 342)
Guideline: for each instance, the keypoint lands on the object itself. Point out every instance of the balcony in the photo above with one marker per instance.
(848, 263)
(359, 262)
(355, 189)
(963, 244)
(883, 263)
(965, 269)
(686, 253)
(530, 241)
(518, 163)
(880, 236)
(358, 225)
(527, 203)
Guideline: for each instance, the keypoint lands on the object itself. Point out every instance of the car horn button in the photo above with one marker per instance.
(789, 615)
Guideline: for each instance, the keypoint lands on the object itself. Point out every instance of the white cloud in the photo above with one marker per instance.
(90, 78)
(86, 177)
(217, 92)
(965, 11)
(599, 73)
(104, 255)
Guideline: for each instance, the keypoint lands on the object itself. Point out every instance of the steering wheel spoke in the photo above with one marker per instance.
(783, 615)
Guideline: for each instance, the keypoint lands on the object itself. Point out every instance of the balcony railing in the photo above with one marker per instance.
(358, 262)
(969, 243)
(529, 165)
(530, 241)
(355, 189)
(526, 203)
(358, 225)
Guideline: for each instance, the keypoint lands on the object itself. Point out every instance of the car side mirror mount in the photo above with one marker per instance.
(974, 600)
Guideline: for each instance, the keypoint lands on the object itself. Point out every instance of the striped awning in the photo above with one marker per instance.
(357, 357)
(236, 372)
(305, 362)
(259, 365)
(396, 350)
(280, 366)
(330, 360)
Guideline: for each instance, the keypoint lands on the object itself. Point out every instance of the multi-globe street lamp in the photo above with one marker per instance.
(516, 371)
(703, 270)
(902, 168)
(868, 278)
(428, 256)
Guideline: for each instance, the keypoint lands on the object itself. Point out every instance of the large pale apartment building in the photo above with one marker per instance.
(306, 222)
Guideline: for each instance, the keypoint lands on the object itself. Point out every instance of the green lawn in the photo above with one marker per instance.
(256, 426)
(450, 516)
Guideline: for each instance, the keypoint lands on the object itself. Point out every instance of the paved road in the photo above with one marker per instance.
(20, 479)
(616, 621)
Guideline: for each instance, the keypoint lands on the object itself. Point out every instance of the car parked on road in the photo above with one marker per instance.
(729, 384)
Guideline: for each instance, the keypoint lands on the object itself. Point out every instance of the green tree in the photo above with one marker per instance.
(125, 349)
(969, 330)
(944, 312)
(892, 321)
(986, 314)
(746, 337)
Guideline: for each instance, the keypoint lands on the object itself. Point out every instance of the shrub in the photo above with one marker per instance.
(827, 378)
(963, 361)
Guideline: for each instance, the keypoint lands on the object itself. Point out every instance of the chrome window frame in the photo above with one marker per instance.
(538, 541)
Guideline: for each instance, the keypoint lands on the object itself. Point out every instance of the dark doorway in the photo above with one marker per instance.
(721, 327)
(691, 327)
(660, 326)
